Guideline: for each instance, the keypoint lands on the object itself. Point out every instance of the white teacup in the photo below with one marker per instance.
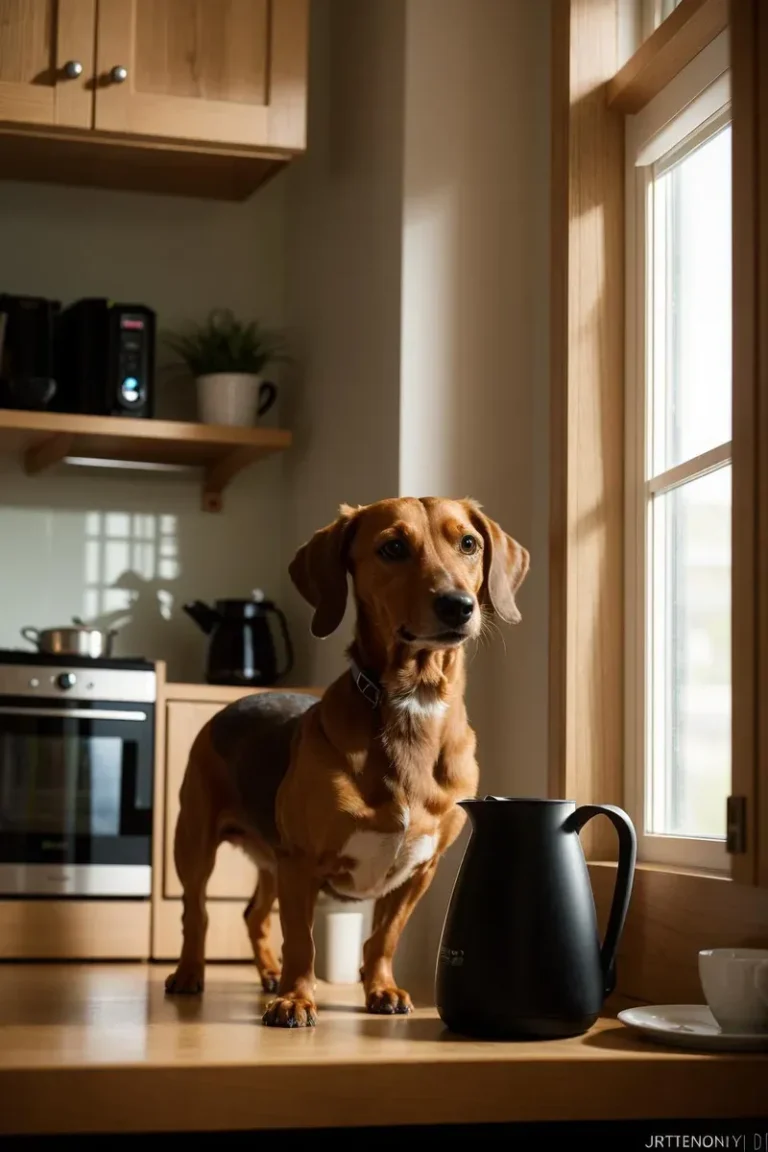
(735, 984)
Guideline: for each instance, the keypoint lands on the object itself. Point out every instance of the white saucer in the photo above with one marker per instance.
(689, 1026)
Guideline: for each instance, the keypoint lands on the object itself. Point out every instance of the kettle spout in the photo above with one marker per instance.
(203, 616)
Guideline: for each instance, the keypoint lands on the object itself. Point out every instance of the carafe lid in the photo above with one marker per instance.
(256, 605)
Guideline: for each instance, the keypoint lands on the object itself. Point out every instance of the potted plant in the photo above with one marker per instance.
(226, 356)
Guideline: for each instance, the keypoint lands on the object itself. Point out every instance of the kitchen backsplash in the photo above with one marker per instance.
(129, 550)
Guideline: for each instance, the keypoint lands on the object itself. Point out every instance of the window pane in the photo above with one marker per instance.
(691, 305)
(690, 666)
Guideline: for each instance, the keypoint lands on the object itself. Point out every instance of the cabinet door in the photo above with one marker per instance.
(43, 43)
(234, 875)
(218, 71)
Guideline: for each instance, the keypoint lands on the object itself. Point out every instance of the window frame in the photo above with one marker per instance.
(698, 97)
(674, 911)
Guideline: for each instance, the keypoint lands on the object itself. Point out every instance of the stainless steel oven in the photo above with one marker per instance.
(76, 776)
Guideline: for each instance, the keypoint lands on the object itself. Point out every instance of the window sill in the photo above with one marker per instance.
(673, 914)
(672, 869)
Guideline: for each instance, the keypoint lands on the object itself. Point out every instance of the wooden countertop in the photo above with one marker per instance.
(99, 1048)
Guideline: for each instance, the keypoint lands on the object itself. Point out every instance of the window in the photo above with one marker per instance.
(655, 12)
(678, 480)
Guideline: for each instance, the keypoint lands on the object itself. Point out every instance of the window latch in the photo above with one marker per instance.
(736, 823)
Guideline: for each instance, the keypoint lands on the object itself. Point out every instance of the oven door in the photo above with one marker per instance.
(76, 784)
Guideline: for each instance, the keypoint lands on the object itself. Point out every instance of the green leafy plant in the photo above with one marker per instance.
(225, 344)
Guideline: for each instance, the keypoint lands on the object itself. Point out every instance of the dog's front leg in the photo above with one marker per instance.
(390, 915)
(297, 889)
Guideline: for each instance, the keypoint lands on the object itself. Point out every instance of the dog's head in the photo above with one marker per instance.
(422, 569)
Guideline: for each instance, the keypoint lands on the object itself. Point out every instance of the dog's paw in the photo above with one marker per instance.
(290, 1012)
(388, 1002)
(187, 980)
(270, 981)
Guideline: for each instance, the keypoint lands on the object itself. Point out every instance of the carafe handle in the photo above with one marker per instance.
(286, 641)
(625, 874)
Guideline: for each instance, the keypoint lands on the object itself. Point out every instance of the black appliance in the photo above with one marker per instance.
(522, 918)
(76, 775)
(27, 351)
(105, 359)
(241, 651)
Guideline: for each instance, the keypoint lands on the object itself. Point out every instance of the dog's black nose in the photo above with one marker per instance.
(454, 608)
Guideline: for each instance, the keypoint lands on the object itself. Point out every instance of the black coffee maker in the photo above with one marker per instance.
(241, 651)
(27, 367)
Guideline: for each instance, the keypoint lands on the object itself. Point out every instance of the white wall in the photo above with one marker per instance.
(134, 549)
(474, 321)
(344, 226)
(474, 379)
(417, 281)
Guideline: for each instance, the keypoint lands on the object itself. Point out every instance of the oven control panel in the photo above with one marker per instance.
(119, 686)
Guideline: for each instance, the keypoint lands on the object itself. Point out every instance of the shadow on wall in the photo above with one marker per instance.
(128, 555)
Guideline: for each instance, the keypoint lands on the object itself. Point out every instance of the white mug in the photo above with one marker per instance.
(735, 985)
(339, 945)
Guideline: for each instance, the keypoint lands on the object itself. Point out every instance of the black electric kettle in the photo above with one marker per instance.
(241, 651)
(520, 954)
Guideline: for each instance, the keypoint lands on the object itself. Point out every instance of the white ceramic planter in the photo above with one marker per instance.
(228, 398)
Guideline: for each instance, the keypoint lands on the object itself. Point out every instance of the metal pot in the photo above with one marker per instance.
(77, 640)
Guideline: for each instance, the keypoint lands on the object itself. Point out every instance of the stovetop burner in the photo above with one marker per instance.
(119, 663)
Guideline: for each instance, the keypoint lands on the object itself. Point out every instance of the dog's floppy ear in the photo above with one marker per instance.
(505, 565)
(319, 571)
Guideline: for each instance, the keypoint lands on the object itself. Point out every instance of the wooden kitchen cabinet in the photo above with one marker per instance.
(192, 97)
(234, 876)
(228, 72)
(182, 710)
(46, 62)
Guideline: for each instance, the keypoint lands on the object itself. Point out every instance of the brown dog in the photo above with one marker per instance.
(354, 794)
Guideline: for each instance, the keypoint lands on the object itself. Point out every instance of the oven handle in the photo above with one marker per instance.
(75, 713)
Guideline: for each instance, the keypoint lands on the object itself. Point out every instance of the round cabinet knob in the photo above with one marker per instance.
(66, 680)
(73, 69)
(118, 74)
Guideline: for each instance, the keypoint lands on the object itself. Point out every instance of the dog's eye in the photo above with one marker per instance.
(394, 549)
(468, 545)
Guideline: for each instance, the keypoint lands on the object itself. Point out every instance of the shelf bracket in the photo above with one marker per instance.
(221, 473)
(47, 453)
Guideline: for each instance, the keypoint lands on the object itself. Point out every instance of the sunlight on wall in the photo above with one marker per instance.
(429, 398)
(127, 554)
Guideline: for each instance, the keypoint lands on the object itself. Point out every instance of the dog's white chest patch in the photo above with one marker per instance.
(382, 861)
(422, 703)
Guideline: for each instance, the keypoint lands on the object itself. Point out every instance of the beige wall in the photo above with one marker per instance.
(474, 381)
(133, 549)
(344, 218)
(417, 281)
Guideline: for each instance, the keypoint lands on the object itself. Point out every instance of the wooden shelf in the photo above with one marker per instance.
(134, 164)
(43, 439)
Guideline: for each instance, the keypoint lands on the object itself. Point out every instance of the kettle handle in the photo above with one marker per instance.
(625, 874)
(286, 640)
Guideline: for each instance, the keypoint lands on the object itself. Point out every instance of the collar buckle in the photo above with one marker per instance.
(367, 688)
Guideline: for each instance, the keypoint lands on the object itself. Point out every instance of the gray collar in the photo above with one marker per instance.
(366, 685)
